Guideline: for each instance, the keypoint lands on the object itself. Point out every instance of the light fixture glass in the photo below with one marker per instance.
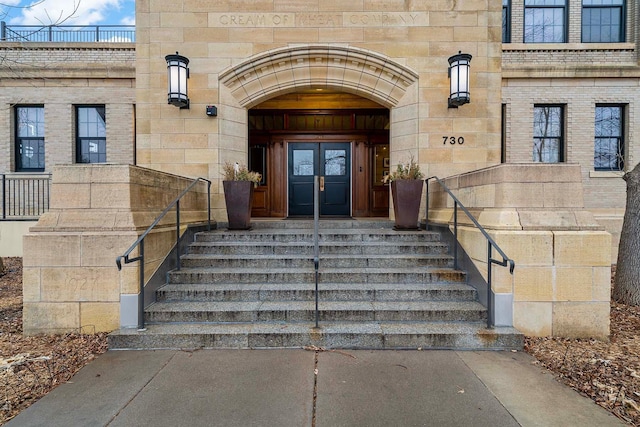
(178, 74)
(459, 79)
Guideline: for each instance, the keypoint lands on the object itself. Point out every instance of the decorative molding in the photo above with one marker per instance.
(341, 68)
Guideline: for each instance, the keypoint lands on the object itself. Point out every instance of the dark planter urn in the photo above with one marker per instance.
(238, 196)
(407, 194)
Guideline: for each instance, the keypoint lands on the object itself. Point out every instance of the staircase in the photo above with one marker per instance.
(379, 289)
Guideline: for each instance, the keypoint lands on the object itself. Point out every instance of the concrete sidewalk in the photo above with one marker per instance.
(277, 388)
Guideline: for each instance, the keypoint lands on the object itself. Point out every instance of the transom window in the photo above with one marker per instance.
(91, 134)
(603, 21)
(548, 143)
(545, 21)
(609, 142)
(30, 138)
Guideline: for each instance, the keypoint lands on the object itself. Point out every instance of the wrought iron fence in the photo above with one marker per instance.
(68, 33)
(24, 197)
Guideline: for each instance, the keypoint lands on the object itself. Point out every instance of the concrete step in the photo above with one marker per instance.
(327, 292)
(302, 261)
(324, 224)
(378, 288)
(326, 248)
(328, 235)
(304, 311)
(330, 335)
(326, 275)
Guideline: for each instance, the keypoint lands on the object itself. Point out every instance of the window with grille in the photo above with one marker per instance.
(91, 134)
(29, 138)
(603, 21)
(609, 142)
(548, 142)
(545, 21)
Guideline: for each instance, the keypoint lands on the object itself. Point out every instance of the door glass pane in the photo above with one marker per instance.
(380, 163)
(335, 162)
(303, 162)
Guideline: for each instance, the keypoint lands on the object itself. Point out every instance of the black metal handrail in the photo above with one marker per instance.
(24, 198)
(316, 238)
(491, 244)
(68, 33)
(140, 242)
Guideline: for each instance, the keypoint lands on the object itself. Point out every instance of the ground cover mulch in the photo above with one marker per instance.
(31, 366)
(606, 372)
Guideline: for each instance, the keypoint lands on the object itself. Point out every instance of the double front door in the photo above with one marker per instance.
(331, 161)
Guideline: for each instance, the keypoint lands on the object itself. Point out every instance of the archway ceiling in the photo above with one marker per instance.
(337, 68)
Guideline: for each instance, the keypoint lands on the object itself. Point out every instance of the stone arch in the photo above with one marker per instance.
(340, 68)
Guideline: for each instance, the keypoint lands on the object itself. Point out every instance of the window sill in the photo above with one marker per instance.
(513, 47)
(606, 174)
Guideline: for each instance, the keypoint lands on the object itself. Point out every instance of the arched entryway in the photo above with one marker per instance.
(353, 105)
(347, 147)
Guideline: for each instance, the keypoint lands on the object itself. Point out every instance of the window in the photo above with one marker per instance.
(91, 134)
(30, 138)
(545, 21)
(506, 21)
(258, 161)
(603, 21)
(547, 134)
(609, 142)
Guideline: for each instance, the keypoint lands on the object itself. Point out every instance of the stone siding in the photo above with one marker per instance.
(70, 279)
(562, 281)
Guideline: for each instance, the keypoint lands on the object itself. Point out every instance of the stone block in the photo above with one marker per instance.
(533, 283)
(74, 220)
(533, 318)
(51, 318)
(71, 174)
(70, 196)
(563, 195)
(80, 284)
(582, 248)
(30, 284)
(502, 282)
(110, 173)
(99, 317)
(601, 284)
(101, 250)
(526, 247)
(110, 196)
(130, 279)
(496, 219)
(547, 219)
(581, 320)
(51, 249)
(574, 284)
(517, 195)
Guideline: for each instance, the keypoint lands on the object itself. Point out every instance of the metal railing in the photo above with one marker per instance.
(491, 244)
(24, 198)
(68, 33)
(140, 242)
(316, 238)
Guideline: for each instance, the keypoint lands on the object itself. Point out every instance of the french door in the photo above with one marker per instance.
(329, 160)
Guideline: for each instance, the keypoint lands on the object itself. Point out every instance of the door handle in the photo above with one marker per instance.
(322, 183)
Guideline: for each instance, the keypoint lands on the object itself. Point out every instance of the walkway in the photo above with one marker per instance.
(277, 388)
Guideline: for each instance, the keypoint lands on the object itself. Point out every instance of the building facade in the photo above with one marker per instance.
(350, 90)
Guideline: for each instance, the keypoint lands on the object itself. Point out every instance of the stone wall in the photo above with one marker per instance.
(353, 47)
(70, 279)
(535, 213)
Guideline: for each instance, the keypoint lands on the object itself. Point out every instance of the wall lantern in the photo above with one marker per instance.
(178, 73)
(459, 79)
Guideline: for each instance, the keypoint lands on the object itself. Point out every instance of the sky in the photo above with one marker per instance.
(68, 12)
